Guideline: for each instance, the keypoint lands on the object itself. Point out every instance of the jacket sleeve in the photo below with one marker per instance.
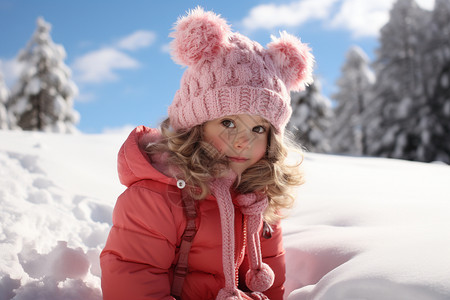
(274, 255)
(140, 248)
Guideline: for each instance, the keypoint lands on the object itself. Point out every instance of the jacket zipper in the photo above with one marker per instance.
(240, 256)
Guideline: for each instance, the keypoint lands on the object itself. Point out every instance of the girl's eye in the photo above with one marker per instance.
(228, 123)
(259, 129)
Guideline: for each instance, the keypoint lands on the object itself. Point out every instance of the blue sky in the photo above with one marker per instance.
(118, 50)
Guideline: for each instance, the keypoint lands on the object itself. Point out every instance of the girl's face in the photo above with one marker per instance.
(241, 138)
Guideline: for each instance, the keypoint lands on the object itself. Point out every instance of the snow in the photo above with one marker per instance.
(33, 87)
(362, 228)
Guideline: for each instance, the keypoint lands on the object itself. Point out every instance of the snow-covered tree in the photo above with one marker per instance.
(43, 97)
(347, 134)
(397, 98)
(435, 126)
(436, 43)
(311, 115)
(4, 95)
(435, 119)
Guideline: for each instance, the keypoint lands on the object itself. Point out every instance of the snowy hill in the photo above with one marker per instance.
(363, 228)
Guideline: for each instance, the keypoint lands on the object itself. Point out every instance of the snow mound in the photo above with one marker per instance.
(53, 224)
(368, 228)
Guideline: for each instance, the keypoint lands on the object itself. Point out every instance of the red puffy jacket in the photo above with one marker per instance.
(148, 222)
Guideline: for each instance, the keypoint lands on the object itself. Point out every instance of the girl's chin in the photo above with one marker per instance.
(237, 169)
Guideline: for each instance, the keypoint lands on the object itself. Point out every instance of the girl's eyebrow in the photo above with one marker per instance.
(263, 124)
(257, 121)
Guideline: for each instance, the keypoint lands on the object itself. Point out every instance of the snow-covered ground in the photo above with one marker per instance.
(363, 228)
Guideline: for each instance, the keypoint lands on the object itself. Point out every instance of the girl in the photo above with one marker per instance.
(193, 222)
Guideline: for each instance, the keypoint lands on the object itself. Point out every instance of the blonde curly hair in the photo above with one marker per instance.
(199, 162)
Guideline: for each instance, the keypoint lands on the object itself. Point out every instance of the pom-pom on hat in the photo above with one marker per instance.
(229, 74)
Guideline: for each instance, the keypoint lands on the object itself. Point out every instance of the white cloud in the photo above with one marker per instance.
(165, 48)
(137, 40)
(362, 18)
(85, 97)
(365, 18)
(268, 16)
(100, 65)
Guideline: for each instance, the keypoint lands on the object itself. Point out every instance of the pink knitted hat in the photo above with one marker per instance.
(228, 74)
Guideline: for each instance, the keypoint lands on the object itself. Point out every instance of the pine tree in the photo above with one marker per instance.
(435, 120)
(347, 130)
(397, 99)
(311, 114)
(43, 98)
(4, 95)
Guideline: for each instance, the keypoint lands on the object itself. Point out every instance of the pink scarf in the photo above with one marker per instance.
(260, 277)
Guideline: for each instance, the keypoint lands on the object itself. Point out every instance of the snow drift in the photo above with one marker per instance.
(363, 228)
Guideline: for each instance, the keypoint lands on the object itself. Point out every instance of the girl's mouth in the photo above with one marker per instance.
(237, 159)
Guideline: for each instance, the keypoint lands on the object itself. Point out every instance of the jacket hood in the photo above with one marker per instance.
(133, 164)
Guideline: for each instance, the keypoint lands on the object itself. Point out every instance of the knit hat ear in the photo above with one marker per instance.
(198, 35)
(293, 60)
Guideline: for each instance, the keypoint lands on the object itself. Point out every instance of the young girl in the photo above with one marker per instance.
(193, 222)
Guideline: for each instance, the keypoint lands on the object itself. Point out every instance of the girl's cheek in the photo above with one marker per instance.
(219, 145)
(261, 148)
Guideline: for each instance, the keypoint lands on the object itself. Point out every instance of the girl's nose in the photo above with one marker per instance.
(242, 140)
